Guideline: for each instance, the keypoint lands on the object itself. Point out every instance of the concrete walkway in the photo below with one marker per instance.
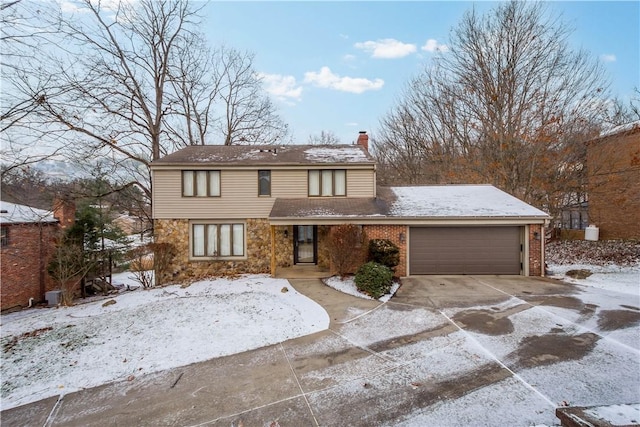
(384, 364)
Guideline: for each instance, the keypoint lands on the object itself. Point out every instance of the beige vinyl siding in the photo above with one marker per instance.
(361, 183)
(238, 197)
(239, 193)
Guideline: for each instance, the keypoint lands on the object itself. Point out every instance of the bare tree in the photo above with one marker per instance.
(132, 81)
(509, 105)
(249, 115)
(325, 137)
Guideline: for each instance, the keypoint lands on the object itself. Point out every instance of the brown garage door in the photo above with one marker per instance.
(464, 250)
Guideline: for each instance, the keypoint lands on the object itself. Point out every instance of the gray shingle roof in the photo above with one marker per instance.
(427, 201)
(255, 155)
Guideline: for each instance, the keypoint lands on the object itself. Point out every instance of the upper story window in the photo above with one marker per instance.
(327, 182)
(201, 183)
(4, 238)
(264, 183)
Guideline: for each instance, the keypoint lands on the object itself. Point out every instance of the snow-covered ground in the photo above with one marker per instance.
(609, 277)
(348, 286)
(51, 351)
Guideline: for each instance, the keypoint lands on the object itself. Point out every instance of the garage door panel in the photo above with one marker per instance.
(464, 250)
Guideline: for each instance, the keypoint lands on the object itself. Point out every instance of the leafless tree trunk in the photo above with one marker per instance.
(132, 81)
(510, 105)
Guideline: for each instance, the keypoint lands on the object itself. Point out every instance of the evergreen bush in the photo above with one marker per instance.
(374, 279)
(385, 252)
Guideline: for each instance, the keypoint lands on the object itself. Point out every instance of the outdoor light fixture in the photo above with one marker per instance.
(402, 237)
(536, 235)
(286, 233)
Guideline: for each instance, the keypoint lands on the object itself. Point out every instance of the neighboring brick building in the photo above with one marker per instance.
(28, 242)
(613, 165)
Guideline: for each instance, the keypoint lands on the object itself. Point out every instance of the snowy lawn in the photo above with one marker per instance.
(623, 279)
(51, 351)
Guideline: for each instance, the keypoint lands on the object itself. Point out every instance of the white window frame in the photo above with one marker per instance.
(325, 183)
(230, 240)
(201, 183)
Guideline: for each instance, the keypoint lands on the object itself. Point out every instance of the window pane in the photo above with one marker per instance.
(198, 240)
(327, 183)
(187, 183)
(314, 183)
(201, 183)
(264, 183)
(225, 240)
(340, 179)
(214, 183)
(212, 240)
(238, 239)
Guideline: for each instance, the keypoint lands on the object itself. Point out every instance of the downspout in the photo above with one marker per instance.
(42, 266)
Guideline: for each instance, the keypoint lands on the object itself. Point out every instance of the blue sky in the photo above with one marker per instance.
(340, 66)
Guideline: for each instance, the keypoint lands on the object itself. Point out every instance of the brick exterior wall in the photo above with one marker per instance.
(391, 232)
(613, 165)
(24, 264)
(536, 263)
(258, 247)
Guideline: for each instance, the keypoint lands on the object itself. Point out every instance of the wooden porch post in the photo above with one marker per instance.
(273, 251)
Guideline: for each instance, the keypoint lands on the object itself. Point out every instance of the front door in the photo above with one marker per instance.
(305, 248)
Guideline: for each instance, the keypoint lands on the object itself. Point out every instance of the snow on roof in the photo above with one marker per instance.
(344, 153)
(245, 155)
(19, 214)
(621, 128)
(459, 201)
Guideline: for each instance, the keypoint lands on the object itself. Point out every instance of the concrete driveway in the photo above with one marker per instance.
(445, 351)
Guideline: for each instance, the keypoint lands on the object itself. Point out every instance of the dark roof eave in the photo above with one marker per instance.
(409, 219)
(344, 165)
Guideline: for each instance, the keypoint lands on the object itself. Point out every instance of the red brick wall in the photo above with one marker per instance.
(613, 164)
(391, 232)
(536, 261)
(21, 266)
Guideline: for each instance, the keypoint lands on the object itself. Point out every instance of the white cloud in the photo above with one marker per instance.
(327, 79)
(283, 88)
(432, 45)
(351, 124)
(348, 57)
(608, 57)
(387, 48)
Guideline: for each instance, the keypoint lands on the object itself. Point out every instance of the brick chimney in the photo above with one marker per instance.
(363, 139)
(64, 210)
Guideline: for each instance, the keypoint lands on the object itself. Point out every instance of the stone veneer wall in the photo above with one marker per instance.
(536, 261)
(391, 232)
(258, 244)
(324, 256)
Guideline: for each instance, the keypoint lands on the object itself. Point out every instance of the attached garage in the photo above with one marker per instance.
(465, 250)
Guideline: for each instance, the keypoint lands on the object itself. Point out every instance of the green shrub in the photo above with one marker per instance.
(385, 252)
(374, 279)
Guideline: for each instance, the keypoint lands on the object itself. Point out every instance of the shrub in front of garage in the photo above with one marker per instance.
(385, 252)
(374, 279)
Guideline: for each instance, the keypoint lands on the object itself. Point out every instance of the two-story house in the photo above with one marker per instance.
(254, 209)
